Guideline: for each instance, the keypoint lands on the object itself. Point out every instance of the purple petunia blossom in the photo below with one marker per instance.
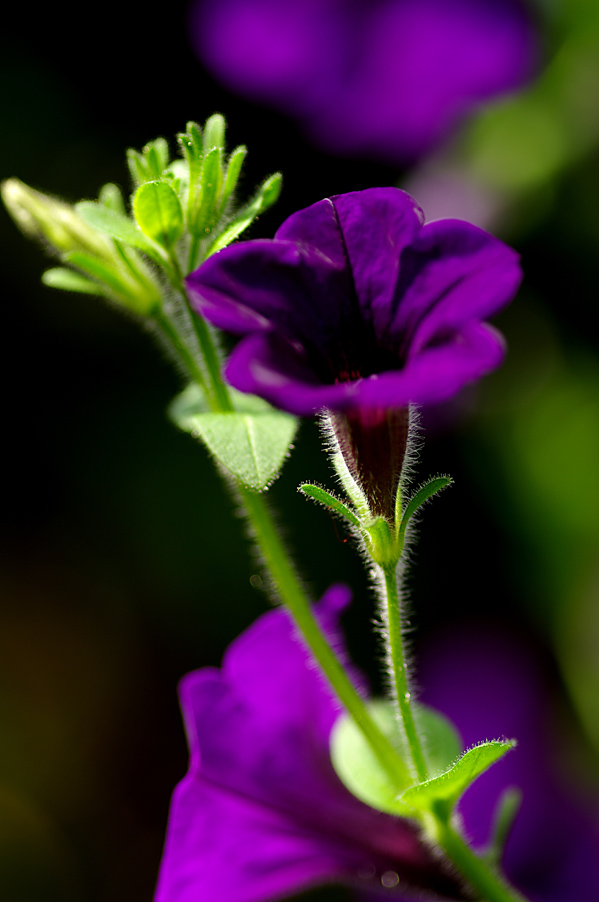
(358, 305)
(261, 813)
(490, 684)
(383, 78)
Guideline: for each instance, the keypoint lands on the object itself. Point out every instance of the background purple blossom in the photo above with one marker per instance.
(261, 813)
(488, 683)
(384, 78)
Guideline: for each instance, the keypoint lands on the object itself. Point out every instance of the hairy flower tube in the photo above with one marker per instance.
(359, 307)
(261, 813)
(388, 79)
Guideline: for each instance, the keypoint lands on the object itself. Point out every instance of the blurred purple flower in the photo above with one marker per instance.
(261, 813)
(490, 684)
(384, 78)
(356, 305)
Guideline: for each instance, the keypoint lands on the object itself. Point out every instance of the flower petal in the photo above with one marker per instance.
(268, 365)
(437, 373)
(261, 812)
(255, 285)
(452, 274)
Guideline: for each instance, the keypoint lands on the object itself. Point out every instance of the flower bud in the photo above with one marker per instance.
(44, 217)
(373, 443)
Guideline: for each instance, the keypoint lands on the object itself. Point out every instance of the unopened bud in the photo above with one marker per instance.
(52, 220)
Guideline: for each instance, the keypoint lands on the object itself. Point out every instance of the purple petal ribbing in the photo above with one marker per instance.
(261, 812)
(357, 303)
(384, 78)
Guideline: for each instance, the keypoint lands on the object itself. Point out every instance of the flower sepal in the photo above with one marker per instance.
(330, 501)
(426, 491)
(382, 544)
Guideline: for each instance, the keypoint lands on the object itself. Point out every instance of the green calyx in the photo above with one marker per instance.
(383, 541)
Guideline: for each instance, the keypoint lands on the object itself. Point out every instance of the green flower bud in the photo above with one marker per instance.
(52, 220)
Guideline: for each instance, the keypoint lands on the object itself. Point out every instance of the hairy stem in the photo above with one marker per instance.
(489, 885)
(294, 598)
(400, 679)
(486, 883)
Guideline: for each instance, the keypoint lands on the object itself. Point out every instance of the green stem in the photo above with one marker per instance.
(399, 673)
(284, 576)
(293, 596)
(180, 348)
(477, 872)
(489, 885)
(219, 397)
(193, 252)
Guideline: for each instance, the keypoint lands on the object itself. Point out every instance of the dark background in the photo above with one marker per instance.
(120, 566)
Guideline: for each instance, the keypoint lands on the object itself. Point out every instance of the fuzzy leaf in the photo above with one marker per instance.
(158, 212)
(359, 769)
(67, 280)
(445, 789)
(266, 195)
(112, 286)
(117, 225)
(252, 442)
(234, 166)
(110, 196)
(503, 819)
(202, 219)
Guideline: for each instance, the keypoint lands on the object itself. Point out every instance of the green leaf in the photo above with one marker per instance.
(251, 446)
(191, 146)
(111, 197)
(214, 132)
(330, 501)
(270, 190)
(251, 443)
(359, 769)
(202, 219)
(67, 280)
(191, 401)
(137, 166)
(443, 791)
(266, 195)
(158, 212)
(116, 225)
(150, 163)
(503, 820)
(194, 133)
(236, 161)
(425, 492)
(157, 154)
(440, 740)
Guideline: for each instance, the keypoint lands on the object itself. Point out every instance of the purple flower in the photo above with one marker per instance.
(385, 78)
(489, 683)
(358, 307)
(261, 813)
(356, 304)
